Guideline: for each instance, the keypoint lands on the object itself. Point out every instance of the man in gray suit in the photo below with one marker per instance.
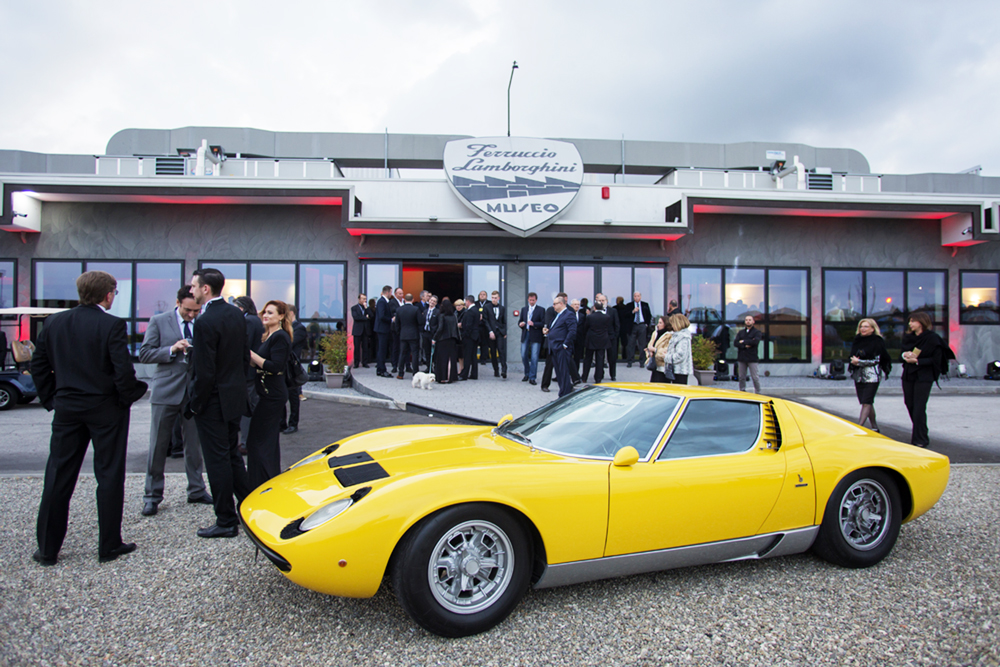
(167, 344)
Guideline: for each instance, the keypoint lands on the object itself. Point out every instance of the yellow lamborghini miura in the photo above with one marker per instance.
(609, 481)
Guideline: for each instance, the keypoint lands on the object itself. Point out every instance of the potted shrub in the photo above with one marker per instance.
(333, 355)
(703, 353)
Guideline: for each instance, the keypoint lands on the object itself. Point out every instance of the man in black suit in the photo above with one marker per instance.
(395, 303)
(219, 397)
(427, 322)
(614, 334)
(383, 330)
(598, 337)
(407, 327)
(300, 341)
(359, 321)
(255, 335)
(550, 316)
(484, 332)
(625, 322)
(674, 309)
(468, 326)
(495, 319)
(561, 335)
(579, 348)
(83, 371)
(531, 321)
(641, 320)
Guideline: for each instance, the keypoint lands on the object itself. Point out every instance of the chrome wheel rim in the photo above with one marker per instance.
(864, 514)
(5, 397)
(471, 567)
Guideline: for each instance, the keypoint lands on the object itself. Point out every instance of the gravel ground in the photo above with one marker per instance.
(179, 600)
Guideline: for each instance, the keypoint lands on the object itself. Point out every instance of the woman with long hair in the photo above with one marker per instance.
(679, 348)
(923, 351)
(445, 338)
(869, 360)
(271, 362)
(659, 341)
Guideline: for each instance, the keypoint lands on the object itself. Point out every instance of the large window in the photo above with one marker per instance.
(718, 300)
(980, 297)
(888, 297)
(317, 289)
(8, 299)
(583, 281)
(144, 288)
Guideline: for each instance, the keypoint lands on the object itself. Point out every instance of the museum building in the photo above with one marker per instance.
(807, 240)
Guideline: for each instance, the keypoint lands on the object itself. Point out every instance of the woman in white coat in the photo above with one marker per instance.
(679, 349)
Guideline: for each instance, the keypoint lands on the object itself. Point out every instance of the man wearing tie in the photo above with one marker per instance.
(219, 398)
(427, 321)
(360, 320)
(561, 339)
(167, 344)
(83, 371)
(637, 337)
(531, 321)
(495, 318)
(383, 330)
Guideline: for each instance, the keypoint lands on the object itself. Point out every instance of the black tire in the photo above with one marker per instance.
(498, 569)
(861, 521)
(9, 396)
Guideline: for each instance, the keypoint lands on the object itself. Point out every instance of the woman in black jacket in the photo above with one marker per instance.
(923, 351)
(468, 326)
(271, 364)
(446, 349)
(869, 360)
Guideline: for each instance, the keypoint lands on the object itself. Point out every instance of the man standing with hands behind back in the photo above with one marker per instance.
(640, 317)
(166, 344)
(219, 396)
(83, 371)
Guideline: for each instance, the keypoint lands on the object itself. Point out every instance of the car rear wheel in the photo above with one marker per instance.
(462, 570)
(862, 520)
(9, 397)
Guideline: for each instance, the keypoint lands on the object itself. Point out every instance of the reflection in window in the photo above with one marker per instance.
(55, 284)
(788, 295)
(544, 281)
(578, 282)
(843, 295)
(925, 292)
(649, 281)
(236, 279)
(701, 295)
(744, 293)
(156, 287)
(980, 297)
(7, 298)
(274, 282)
(378, 276)
(712, 427)
(321, 290)
(616, 281)
(485, 278)
(122, 271)
(884, 294)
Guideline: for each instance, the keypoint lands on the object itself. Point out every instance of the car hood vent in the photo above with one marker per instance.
(772, 431)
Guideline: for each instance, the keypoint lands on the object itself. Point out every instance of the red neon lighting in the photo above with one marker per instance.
(821, 213)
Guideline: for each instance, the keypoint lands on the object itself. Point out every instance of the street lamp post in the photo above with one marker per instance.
(508, 95)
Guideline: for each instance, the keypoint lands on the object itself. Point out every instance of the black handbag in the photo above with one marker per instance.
(651, 363)
(296, 376)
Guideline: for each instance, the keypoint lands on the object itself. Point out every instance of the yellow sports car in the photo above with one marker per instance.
(609, 481)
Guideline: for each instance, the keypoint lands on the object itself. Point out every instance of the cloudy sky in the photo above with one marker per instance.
(913, 85)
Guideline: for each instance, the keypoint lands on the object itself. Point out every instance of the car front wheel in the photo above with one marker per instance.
(462, 570)
(9, 397)
(862, 520)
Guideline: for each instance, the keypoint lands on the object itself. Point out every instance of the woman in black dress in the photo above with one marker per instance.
(271, 362)
(869, 360)
(923, 351)
(446, 344)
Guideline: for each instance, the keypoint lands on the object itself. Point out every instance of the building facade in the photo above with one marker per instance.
(806, 240)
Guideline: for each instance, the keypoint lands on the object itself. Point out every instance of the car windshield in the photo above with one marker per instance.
(595, 422)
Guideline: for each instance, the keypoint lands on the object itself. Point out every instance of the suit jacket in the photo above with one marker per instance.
(221, 352)
(625, 318)
(581, 328)
(255, 332)
(469, 319)
(360, 319)
(646, 314)
(383, 316)
(495, 322)
(615, 326)
(562, 331)
(532, 334)
(422, 318)
(172, 375)
(300, 338)
(81, 362)
(406, 322)
(599, 332)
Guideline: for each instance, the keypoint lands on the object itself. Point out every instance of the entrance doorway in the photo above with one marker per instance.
(444, 280)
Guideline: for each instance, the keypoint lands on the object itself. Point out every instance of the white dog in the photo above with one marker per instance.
(423, 380)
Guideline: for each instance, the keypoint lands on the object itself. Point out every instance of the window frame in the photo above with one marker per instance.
(678, 416)
(598, 280)
(764, 324)
(961, 277)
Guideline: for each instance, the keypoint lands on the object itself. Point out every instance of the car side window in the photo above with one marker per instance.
(711, 427)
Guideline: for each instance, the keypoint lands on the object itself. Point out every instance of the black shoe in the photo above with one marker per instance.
(496, 374)
(614, 379)
(628, 365)
(218, 531)
(44, 562)
(383, 374)
(532, 382)
(149, 509)
(545, 389)
(461, 379)
(365, 366)
(576, 382)
(121, 550)
(290, 429)
(524, 379)
(503, 375)
(201, 500)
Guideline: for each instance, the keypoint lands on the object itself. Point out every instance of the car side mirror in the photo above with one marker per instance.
(504, 420)
(626, 457)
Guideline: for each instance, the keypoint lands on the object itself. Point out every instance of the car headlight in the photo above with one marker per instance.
(324, 514)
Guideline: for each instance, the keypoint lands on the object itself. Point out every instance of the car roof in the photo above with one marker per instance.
(685, 391)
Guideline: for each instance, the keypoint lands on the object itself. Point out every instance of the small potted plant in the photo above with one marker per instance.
(703, 353)
(333, 355)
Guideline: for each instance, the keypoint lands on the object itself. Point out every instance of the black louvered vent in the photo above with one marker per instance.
(169, 166)
(819, 181)
(772, 431)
